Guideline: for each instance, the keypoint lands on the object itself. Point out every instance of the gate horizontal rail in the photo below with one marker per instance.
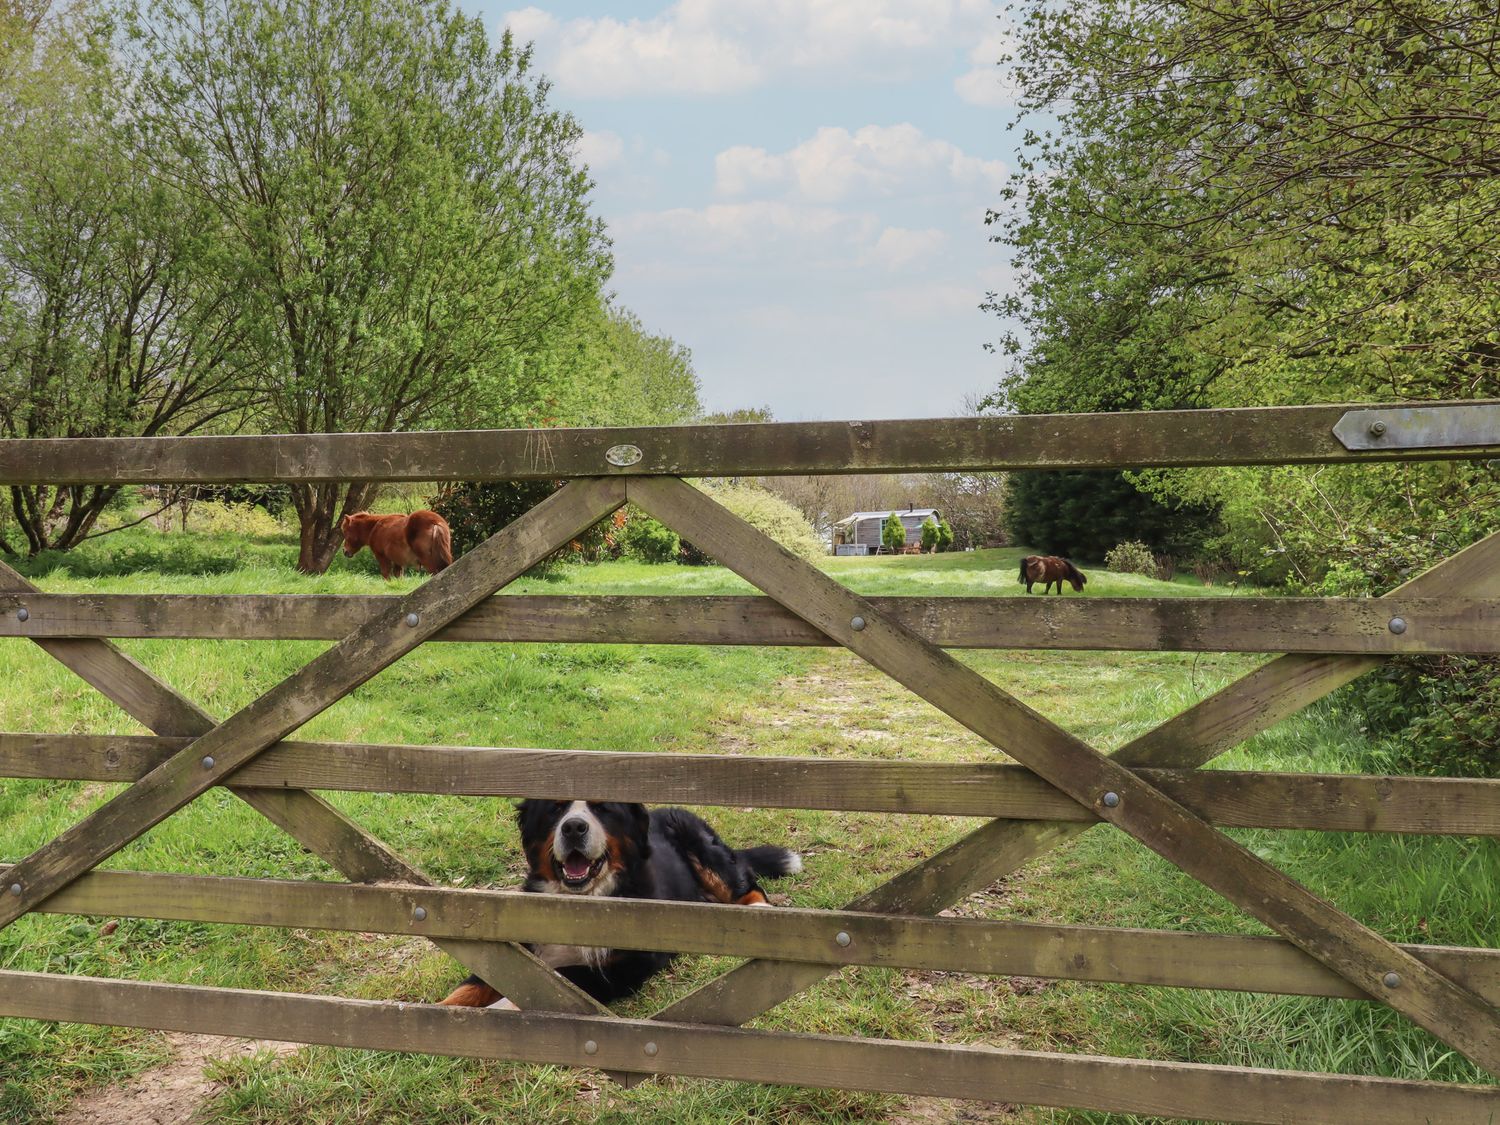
(1228, 798)
(1376, 626)
(1101, 954)
(1225, 1093)
(1159, 796)
(1275, 435)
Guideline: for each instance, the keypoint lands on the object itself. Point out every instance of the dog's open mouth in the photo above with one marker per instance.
(578, 870)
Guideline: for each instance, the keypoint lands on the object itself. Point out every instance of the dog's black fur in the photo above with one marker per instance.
(661, 854)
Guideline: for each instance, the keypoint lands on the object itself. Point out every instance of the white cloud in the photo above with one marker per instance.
(725, 46)
(763, 229)
(678, 52)
(876, 160)
(987, 83)
(600, 149)
(528, 24)
(900, 249)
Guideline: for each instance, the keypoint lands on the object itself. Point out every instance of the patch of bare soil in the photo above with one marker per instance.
(173, 1093)
(941, 1111)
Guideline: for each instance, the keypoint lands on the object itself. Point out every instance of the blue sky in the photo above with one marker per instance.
(796, 188)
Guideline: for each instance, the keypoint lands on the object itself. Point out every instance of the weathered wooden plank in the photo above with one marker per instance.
(1223, 962)
(307, 692)
(1346, 946)
(1345, 625)
(1254, 703)
(1278, 435)
(983, 1073)
(1229, 798)
(306, 817)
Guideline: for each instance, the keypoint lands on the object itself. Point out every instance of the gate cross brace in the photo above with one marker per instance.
(308, 818)
(1255, 702)
(1098, 782)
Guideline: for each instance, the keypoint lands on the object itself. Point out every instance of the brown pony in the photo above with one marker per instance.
(1050, 569)
(420, 539)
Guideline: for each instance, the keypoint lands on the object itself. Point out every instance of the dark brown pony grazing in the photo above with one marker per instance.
(1050, 569)
(397, 542)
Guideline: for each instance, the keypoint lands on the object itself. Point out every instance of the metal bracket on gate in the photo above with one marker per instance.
(1420, 427)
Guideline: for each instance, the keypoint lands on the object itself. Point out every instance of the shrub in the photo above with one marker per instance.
(945, 536)
(271, 498)
(1437, 715)
(212, 517)
(647, 539)
(475, 511)
(930, 534)
(1131, 557)
(893, 534)
(1211, 570)
(765, 512)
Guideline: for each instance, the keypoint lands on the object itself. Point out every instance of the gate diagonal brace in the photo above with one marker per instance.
(309, 819)
(1255, 702)
(1111, 790)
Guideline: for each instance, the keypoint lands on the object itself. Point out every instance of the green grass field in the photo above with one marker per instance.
(688, 700)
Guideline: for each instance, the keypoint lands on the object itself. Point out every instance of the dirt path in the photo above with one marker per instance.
(174, 1093)
(844, 706)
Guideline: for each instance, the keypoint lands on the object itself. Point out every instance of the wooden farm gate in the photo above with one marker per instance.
(1151, 789)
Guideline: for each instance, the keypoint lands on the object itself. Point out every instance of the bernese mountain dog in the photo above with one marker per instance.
(613, 848)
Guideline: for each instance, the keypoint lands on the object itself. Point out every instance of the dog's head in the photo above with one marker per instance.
(583, 847)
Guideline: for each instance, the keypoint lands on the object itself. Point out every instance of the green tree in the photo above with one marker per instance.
(607, 369)
(972, 504)
(930, 534)
(649, 379)
(409, 228)
(1235, 206)
(110, 324)
(945, 536)
(1083, 514)
(893, 533)
(743, 414)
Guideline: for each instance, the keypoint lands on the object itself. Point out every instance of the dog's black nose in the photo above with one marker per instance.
(574, 828)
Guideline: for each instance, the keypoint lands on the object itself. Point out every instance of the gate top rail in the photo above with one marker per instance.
(1275, 435)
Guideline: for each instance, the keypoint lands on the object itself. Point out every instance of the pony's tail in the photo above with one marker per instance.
(427, 534)
(442, 540)
(1022, 576)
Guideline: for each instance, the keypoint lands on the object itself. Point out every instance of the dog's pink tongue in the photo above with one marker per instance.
(576, 868)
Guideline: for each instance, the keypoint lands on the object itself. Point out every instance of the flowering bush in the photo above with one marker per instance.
(1131, 557)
